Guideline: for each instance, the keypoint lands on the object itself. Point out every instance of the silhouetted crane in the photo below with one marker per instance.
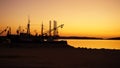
(4, 30)
(60, 26)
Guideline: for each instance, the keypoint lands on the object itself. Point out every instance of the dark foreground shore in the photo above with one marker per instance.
(58, 58)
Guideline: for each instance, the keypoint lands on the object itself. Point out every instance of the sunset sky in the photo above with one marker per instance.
(94, 18)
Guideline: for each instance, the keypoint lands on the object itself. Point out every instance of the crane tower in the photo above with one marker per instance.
(55, 32)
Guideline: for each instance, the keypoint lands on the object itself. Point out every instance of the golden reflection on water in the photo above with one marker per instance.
(107, 44)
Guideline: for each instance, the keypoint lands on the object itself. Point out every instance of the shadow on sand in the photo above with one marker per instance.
(56, 57)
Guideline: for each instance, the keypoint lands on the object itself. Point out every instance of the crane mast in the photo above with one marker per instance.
(54, 30)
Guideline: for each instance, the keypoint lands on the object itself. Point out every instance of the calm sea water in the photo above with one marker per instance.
(107, 44)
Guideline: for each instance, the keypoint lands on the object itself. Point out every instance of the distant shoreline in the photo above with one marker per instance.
(77, 37)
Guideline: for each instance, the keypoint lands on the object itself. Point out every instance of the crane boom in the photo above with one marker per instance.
(57, 27)
(3, 31)
(54, 28)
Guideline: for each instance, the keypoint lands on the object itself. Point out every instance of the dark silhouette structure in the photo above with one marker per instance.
(26, 39)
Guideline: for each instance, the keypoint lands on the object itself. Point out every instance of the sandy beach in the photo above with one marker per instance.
(58, 58)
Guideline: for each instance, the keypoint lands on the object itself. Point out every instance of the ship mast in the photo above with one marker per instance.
(50, 28)
(28, 26)
(42, 29)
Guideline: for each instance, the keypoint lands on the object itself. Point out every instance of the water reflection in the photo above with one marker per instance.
(107, 44)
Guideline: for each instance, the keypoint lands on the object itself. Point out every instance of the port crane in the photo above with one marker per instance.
(4, 30)
(60, 26)
(54, 30)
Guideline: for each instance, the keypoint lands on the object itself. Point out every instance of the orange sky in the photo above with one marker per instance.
(97, 18)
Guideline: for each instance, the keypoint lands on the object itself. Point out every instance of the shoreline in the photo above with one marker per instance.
(58, 58)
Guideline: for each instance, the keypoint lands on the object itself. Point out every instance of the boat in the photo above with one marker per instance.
(47, 39)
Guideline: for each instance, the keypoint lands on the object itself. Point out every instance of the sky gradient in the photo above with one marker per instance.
(94, 18)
